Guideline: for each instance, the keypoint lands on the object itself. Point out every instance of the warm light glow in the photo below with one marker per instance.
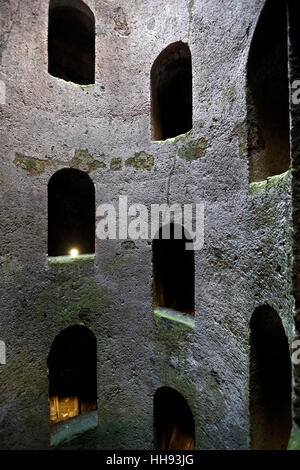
(74, 252)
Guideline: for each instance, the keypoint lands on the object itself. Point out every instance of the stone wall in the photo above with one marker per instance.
(105, 129)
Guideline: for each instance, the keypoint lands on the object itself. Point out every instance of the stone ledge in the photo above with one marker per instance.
(70, 259)
(70, 429)
(173, 315)
(69, 82)
(173, 140)
(261, 187)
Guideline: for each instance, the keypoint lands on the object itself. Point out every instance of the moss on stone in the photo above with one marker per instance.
(141, 161)
(68, 296)
(174, 140)
(109, 433)
(240, 131)
(294, 442)
(53, 260)
(174, 316)
(194, 150)
(83, 160)
(128, 245)
(72, 428)
(230, 94)
(172, 334)
(116, 164)
(33, 166)
(277, 181)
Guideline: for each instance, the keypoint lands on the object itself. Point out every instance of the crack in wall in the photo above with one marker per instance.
(169, 179)
(190, 11)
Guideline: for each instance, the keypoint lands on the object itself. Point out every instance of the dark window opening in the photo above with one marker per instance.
(173, 421)
(72, 374)
(270, 382)
(174, 272)
(71, 213)
(171, 92)
(71, 41)
(268, 95)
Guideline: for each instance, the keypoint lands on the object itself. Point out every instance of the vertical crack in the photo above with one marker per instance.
(169, 180)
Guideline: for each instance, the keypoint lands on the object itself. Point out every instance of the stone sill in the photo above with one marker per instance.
(261, 187)
(173, 315)
(69, 82)
(69, 259)
(173, 140)
(71, 428)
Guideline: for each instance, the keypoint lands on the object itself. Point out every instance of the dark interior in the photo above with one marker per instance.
(71, 213)
(171, 88)
(173, 421)
(72, 371)
(71, 42)
(270, 382)
(268, 95)
(174, 273)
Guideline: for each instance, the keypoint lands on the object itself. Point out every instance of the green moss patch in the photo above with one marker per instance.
(52, 260)
(277, 181)
(294, 442)
(141, 161)
(83, 160)
(181, 319)
(116, 164)
(33, 166)
(128, 245)
(174, 140)
(71, 294)
(240, 131)
(194, 150)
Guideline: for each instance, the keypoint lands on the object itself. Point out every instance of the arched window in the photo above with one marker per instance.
(173, 421)
(71, 41)
(171, 92)
(268, 94)
(270, 382)
(72, 374)
(173, 271)
(71, 213)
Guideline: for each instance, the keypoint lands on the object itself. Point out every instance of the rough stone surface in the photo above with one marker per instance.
(141, 161)
(246, 261)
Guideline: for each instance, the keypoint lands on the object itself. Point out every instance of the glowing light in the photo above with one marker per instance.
(74, 253)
